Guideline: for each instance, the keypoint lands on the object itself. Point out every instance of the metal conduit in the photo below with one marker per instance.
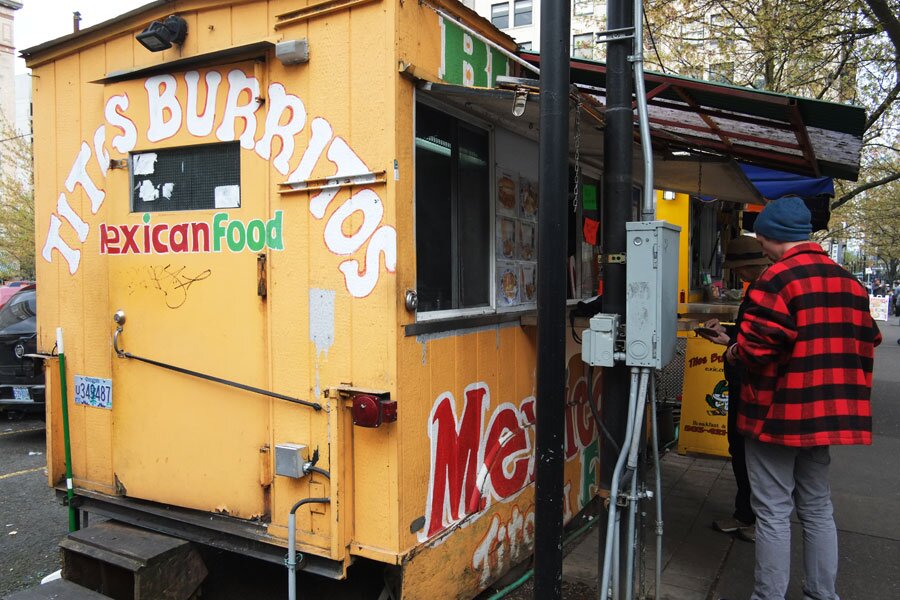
(647, 211)
(291, 562)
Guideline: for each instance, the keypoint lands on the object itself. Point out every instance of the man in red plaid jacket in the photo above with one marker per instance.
(807, 342)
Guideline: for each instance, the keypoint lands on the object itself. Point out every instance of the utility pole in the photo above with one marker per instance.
(551, 300)
(617, 204)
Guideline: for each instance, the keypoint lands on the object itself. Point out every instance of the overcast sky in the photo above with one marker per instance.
(41, 20)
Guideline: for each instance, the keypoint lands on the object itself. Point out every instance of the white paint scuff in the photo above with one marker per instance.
(321, 324)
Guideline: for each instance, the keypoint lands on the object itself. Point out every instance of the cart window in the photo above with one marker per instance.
(206, 177)
(704, 244)
(453, 213)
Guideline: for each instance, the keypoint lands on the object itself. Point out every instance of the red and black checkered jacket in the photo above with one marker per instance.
(807, 341)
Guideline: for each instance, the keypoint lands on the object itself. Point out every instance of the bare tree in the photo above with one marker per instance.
(16, 205)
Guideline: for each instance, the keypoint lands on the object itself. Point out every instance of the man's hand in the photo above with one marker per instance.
(721, 337)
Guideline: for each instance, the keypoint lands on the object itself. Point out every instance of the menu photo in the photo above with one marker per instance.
(508, 286)
(528, 199)
(527, 239)
(506, 238)
(528, 282)
(507, 193)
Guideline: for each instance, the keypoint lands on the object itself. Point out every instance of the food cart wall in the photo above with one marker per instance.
(310, 303)
(297, 295)
(466, 385)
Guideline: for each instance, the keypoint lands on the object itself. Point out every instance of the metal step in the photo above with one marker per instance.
(57, 590)
(129, 563)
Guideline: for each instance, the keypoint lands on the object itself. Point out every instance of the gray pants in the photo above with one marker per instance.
(780, 478)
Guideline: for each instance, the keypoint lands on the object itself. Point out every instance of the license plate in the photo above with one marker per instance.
(93, 391)
(22, 393)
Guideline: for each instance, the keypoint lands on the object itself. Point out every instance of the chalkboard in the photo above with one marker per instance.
(206, 177)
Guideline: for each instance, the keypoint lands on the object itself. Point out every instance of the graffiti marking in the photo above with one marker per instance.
(174, 283)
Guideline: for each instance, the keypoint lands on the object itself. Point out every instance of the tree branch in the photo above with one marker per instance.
(867, 186)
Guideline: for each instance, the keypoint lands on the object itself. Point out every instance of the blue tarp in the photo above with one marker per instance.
(775, 184)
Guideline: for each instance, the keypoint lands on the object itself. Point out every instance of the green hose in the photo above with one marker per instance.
(518, 582)
(70, 490)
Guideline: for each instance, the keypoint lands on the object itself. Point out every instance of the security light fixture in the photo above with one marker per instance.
(159, 36)
(292, 52)
(668, 195)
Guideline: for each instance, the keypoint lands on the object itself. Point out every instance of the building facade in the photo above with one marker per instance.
(7, 60)
(521, 19)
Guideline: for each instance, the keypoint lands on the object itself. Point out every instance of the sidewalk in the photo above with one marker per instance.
(702, 564)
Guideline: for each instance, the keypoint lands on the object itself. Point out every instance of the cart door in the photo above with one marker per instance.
(187, 233)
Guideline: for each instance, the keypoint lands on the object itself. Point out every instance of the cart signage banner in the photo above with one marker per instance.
(704, 405)
(193, 237)
(468, 61)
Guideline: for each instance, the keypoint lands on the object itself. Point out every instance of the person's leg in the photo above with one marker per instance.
(742, 510)
(771, 471)
(814, 509)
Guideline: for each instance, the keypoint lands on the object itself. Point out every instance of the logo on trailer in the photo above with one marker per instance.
(193, 237)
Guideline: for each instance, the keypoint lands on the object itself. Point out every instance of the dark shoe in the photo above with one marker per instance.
(729, 525)
(748, 534)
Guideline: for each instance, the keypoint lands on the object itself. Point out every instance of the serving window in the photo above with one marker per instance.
(453, 212)
(476, 223)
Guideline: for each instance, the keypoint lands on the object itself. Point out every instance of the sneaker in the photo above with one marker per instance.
(729, 525)
(748, 534)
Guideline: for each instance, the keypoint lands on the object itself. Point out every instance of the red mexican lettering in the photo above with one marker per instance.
(159, 246)
(109, 240)
(130, 244)
(200, 242)
(510, 448)
(178, 238)
(456, 454)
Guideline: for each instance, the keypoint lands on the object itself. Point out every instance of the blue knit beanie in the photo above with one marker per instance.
(785, 220)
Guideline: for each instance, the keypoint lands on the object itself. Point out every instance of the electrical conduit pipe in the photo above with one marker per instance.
(291, 561)
(614, 485)
(640, 411)
(635, 403)
(647, 210)
(659, 513)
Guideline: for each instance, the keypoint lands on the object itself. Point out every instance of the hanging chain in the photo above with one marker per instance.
(577, 153)
(699, 178)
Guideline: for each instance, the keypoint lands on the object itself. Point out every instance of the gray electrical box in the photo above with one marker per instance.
(292, 52)
(289, 460)
(651, 293)
(598, 343)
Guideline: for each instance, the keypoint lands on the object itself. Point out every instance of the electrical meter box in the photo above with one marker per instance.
(651, 293)
(598, 344)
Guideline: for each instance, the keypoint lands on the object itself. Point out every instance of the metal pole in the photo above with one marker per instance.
(551, 300)
(617, 203)
(67, 446)
(617, 185)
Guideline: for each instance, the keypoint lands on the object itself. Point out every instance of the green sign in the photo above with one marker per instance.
(468, 61)
(589, 196)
